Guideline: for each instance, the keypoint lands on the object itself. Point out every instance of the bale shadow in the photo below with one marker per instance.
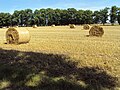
(40, 71)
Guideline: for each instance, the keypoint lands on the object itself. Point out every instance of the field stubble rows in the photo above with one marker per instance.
(103, 52)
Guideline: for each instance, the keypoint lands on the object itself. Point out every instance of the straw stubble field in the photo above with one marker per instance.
(102, 52)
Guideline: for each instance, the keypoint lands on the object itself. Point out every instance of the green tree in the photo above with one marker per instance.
(87, 17)
(5, 19)
(113, 14)
(96, 17)
(51, 16)
(40, 17)
(118, 16)
(104, 15)
(27, 17)
(79, 17)
(71, 15)
(64, 17)
(16, 18)
(57, 16)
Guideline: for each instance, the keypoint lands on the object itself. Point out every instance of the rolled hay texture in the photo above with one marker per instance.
(96, 31)
(16, 26)
(53, 25)
(72, 26)
(4, 27)
(17, 36)
(86, 27)
(34, 26)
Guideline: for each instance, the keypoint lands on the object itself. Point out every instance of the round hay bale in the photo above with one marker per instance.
(72, 26)
(86, 27)
(34, 26)
(17, 36)
(4, 27)
(16, 26)
(53, 25)
(96, 31)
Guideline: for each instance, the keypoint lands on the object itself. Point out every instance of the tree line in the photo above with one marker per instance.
(51, 16)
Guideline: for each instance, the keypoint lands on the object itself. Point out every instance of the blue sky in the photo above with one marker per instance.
(11, 5)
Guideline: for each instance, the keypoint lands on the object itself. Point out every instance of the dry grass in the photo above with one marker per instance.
(102, 52)
(87, 50)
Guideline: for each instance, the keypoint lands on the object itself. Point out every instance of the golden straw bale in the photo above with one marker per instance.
(16, 26)
(34, 26)
(17, 36)
(72, 26)
(53, 25)
(86, 26)
(4, 27)
(96, 31)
